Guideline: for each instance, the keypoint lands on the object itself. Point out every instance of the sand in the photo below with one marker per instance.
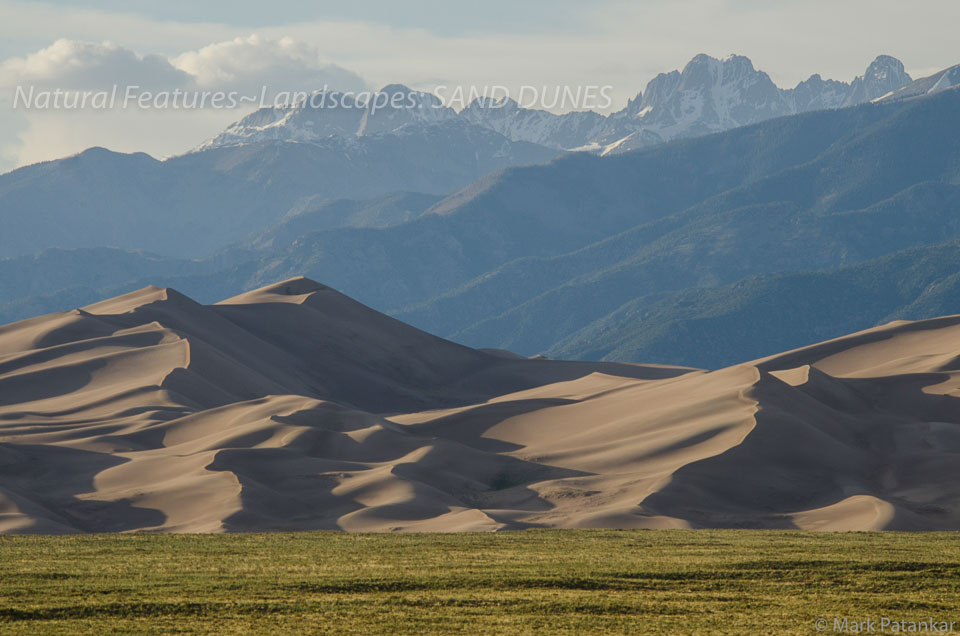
(294, 407)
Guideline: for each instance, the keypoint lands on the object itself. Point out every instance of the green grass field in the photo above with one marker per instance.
(582, 582)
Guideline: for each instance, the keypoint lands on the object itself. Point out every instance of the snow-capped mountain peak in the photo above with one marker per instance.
(884, 75)
(946, 79)
(318, 116)
(707, 95)
(507, 117)
(395, 106)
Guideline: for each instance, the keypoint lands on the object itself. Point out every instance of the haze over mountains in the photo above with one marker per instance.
(293, 407)
(585, 256)
(191, 205)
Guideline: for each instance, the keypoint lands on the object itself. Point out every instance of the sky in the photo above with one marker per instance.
(300, 45)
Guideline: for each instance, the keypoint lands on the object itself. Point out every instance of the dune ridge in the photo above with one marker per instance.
(293, 407)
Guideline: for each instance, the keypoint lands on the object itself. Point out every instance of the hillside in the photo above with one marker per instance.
(880, 188)
(191, 205)
(764, 314)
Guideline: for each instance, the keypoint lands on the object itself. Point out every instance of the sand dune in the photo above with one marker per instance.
(295, 407)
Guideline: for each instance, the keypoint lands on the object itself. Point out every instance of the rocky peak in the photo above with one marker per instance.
(884, 75)
(396, 105)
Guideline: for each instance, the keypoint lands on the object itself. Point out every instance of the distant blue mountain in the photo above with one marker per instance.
(642, 255)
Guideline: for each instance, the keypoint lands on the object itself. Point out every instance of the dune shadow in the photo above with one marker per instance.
(470, 425)
(807, 452)
(295, 487)
(45, 384)
(53, 478)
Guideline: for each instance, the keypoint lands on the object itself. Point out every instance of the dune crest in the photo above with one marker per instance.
(295, 407)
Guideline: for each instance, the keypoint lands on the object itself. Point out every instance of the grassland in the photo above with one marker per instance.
(668, 582)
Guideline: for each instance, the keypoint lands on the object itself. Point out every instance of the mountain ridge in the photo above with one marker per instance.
(707, 95)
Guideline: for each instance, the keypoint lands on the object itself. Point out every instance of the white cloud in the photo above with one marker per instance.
(247, 63)
(73, 65)
(27, 24)
(28, 136)
(243, 64)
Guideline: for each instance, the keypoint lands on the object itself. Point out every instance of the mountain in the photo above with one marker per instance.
(571, 130)
(884, 76)
(816, 93)
(707, 96)
(309, 120)
(54, 279)
(191, 205)
(763, 314)
(560, 258)
(889, 189)
(396, 109)
(944, 80)
(511, 263)
(317, 213)
(326, 114)
(331, 146)
(293, 407)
